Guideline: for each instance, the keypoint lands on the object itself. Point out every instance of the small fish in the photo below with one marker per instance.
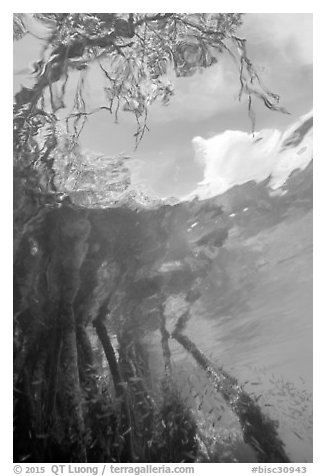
(126, 432)
(24, 458)
(297, 434)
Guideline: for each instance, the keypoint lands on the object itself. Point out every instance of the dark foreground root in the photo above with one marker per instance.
(175, 437)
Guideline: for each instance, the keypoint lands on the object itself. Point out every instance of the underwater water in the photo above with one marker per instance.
(254, 319)
(261, 330)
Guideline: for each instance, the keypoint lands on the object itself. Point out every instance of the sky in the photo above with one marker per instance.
(205, 105)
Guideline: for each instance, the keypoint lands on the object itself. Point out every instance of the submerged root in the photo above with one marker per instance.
(175, 437)
(258, 430)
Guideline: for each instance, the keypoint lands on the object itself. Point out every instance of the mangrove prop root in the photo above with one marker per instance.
(109, 354)
(120, 389)
(258, 430)
(165, 345)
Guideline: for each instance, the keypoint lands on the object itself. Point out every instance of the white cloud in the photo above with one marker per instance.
(235, 157)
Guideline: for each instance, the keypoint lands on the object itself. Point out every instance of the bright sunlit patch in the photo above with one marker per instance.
(236, 157)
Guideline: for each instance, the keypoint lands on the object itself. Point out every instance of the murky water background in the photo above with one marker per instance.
(255, 320)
